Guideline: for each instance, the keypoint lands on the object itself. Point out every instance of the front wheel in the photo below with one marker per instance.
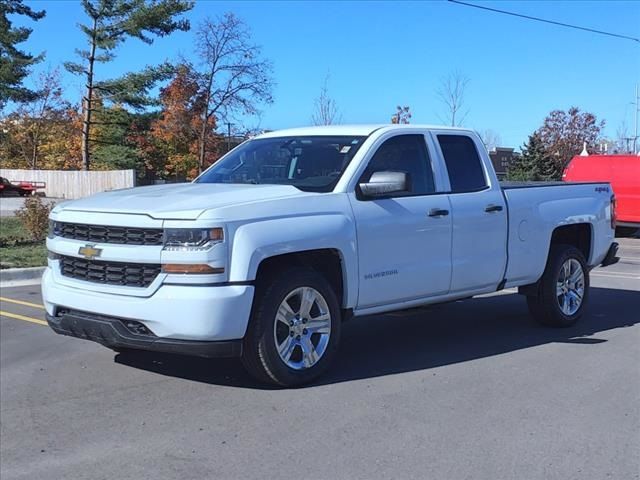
(294, 331)
(563, 290)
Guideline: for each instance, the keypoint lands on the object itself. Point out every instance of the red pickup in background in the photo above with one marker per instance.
(22, 188)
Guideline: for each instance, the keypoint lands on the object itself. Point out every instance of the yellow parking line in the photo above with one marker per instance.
(20, 302)
(22, 317)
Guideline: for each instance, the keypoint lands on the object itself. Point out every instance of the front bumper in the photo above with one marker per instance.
(119, 333)
(173, 312)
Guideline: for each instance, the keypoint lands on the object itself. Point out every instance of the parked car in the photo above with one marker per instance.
(21, 188)
(622, 172)
(267, 252)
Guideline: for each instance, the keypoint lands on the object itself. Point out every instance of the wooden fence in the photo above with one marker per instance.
(73, 184)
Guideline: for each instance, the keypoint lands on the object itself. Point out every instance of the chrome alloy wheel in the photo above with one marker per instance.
(302, 328)
(570, 287)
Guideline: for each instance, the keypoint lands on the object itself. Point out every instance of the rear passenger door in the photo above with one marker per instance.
(479, 243)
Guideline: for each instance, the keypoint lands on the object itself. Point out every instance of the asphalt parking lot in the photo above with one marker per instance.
(467, 390)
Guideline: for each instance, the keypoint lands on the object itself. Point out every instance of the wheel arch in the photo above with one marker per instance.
(579, 235)
(327, 262)
(325, 243)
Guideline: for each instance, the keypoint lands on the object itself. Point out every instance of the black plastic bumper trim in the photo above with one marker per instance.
(611, 257)
(247, 283)
(112, 332)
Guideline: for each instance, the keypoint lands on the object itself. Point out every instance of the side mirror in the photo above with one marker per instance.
(385, 183)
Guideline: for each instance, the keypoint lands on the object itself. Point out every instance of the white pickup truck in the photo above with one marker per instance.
(293, 232)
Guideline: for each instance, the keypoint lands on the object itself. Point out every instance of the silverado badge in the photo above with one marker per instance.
(89, 251)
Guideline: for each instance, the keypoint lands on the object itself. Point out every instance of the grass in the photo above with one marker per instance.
(16, 249)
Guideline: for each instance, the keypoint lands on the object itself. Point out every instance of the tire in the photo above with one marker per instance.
(561, 304)
(267, 333)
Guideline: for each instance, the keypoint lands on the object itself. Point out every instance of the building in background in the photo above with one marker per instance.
(501, 157)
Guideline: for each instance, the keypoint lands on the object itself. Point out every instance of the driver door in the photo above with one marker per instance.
(404, 239)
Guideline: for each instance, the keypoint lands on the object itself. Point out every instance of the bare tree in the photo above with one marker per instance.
(326, 110)
(490, 138)
(564, 134)
(234, 77)
(624, 139)
(402, 115)
(39, 115)
(451, 92)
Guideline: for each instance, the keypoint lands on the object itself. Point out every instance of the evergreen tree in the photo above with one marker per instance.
(533, 164)
(111, 23)
(110, 148)
(14, 63)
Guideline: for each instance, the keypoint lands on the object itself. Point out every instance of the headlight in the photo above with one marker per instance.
(192, 238)
(52, 227)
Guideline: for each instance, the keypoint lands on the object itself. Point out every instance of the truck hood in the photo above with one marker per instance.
(185, 201)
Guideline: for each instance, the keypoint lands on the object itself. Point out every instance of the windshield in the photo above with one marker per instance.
(313, 163)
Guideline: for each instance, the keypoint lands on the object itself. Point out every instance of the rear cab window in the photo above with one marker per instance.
(464, 166)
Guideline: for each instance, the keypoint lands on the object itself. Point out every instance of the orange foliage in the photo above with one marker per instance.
(177, 130)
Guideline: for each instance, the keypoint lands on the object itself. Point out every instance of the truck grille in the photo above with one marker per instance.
(110, 273)
(108, 234)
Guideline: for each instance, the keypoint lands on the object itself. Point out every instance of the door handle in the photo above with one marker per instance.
(493, 208)
(438, 212)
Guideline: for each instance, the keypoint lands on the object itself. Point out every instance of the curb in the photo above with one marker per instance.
(14, 277)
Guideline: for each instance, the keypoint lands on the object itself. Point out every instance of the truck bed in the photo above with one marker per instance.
(532, 212)
(508, 185)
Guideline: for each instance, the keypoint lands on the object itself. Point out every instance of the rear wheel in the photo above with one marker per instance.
(294, 331)
(563, 290)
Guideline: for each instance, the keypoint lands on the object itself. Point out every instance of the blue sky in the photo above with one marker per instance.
(381, 54)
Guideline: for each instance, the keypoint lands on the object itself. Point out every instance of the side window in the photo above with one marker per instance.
(408, 154)
(463, 163)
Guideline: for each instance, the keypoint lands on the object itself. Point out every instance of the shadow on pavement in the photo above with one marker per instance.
(441, 335)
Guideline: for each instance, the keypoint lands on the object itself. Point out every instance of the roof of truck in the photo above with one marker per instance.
(351, 130)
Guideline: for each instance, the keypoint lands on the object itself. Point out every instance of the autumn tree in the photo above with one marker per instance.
(15, 63)
(177, 131)
(402, 115)
(326, 110)
(55, 136)
(564, 133)
(451, 93)
(38, 118)
(112, 22)
(43, 133)
(233, 76)
(63, 148)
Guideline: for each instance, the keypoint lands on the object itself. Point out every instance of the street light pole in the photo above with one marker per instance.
(635, 132)
(229, 136)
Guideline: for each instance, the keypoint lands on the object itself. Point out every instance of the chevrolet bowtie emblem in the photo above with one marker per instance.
(89, 251)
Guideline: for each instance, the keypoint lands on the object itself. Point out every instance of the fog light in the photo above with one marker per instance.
(137, 328)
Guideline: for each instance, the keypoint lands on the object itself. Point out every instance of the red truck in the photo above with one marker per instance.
(622, 172)
(21, 188)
